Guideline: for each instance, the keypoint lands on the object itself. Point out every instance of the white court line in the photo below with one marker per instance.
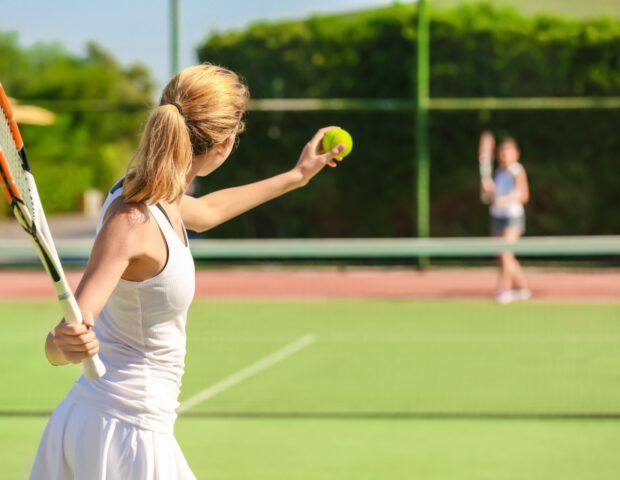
(553, 338)
(253, 369)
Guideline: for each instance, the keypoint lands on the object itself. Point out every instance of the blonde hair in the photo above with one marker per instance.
(200, 107)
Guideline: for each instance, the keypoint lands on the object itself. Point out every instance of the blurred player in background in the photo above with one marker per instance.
(506, 192)
(139, 283)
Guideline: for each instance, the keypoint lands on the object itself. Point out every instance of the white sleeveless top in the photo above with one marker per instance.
(505, 184)
(141, 332)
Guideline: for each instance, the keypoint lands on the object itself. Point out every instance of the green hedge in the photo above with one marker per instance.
(476, 50)
(82, 149)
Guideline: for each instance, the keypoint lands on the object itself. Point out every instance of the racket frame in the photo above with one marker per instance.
(38, 231)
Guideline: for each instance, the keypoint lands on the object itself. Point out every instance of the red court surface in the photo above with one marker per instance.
(321, 283)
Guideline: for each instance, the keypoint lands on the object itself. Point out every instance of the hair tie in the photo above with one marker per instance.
(178, 107)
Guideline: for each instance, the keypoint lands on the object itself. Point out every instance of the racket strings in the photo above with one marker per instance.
(13, 175)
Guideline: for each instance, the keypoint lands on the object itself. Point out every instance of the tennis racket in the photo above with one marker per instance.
(21, 191)
(486, 149)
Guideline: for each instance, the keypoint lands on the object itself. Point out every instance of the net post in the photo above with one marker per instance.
(174, 37)
(422, 104)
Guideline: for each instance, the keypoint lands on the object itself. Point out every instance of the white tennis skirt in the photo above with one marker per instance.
(83, 444)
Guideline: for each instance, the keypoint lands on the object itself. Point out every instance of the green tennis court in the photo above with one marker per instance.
(365, 389)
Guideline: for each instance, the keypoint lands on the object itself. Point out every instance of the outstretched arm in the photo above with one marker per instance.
(208, 211)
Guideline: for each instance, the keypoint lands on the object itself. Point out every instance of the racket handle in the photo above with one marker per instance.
(486, 166)
(93, 366)
(486, 198)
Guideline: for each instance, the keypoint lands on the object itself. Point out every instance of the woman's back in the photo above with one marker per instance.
(141, 331)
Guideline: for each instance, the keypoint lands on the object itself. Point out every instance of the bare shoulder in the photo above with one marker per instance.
(122, 213)
(517, 168)
(123, 238)
(126, 227)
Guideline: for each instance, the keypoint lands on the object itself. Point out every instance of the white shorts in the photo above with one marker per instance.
(83, 444)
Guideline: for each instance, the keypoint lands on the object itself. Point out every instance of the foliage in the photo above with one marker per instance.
(83, 148)
(476, 50)
(568, 8)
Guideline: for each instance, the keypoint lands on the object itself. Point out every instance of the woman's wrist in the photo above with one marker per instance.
(296, 178)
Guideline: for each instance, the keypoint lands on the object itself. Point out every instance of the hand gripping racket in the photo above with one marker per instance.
(21, 191)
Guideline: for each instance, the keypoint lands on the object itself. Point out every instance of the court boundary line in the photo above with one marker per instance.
(363, 415)
(402, 415)
(249, 371)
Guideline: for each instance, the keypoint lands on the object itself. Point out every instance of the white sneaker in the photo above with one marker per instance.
(521, 294)
(504, 296)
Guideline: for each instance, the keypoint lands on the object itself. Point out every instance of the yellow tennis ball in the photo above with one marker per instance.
(335, 137)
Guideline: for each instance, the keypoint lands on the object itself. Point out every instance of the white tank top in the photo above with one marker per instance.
(505, 184)
(141, 332)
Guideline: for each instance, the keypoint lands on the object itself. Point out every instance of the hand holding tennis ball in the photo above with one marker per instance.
(327, 144)
(336, 137)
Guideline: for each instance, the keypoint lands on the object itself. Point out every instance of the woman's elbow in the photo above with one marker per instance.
(200, 228)
(203, 222)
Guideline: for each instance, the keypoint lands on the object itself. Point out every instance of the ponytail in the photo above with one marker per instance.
(201, 107)
(163, 159)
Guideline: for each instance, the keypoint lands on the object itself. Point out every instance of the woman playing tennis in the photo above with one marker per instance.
(508, 191)
(139, 283)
